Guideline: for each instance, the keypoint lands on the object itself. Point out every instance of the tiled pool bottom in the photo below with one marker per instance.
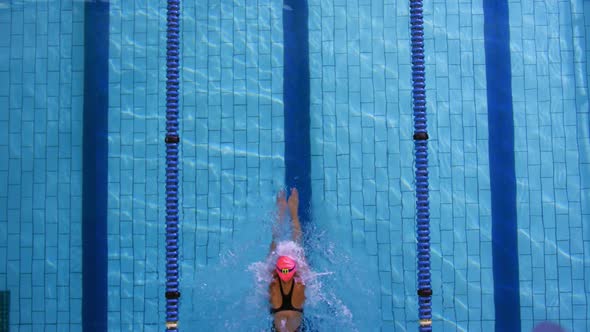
(233, 157)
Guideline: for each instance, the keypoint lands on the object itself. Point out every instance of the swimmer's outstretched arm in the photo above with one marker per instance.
(281, 207)
(294, 211)
(297, 233)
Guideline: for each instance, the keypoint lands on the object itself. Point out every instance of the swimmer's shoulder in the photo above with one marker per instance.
(299, 287)
(274, 281)
(299, 283)
(298, 295)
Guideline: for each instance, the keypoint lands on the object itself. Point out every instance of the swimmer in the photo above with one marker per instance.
(286, 290)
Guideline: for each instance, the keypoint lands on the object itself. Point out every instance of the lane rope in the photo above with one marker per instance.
(421, 158)
(172, 141)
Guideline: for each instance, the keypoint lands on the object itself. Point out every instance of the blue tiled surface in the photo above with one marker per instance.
(40, 204)
(548, 159)
(136, 158)
(232, 150)
(232, 144)
(365, 45)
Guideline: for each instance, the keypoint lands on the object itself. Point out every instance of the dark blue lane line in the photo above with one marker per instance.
(296, 103)
(95, 166)
(502, 167)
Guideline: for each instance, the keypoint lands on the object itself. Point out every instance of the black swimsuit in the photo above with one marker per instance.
(286, 305)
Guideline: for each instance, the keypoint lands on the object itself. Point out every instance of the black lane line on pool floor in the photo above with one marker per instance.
(502, 165)
(296, 103)
(95, 166)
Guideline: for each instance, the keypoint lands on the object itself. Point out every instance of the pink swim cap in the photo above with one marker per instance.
(286, 267)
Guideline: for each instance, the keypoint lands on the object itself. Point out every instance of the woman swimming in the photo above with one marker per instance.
(286, 289)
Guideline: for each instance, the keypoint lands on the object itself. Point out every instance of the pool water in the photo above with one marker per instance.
(361, 236)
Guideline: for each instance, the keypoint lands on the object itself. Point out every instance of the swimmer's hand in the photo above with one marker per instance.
(281, 204)
(294, 203)
(293, 210)
(281, 208)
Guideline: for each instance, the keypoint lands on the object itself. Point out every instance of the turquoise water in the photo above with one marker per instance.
(362, 244)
